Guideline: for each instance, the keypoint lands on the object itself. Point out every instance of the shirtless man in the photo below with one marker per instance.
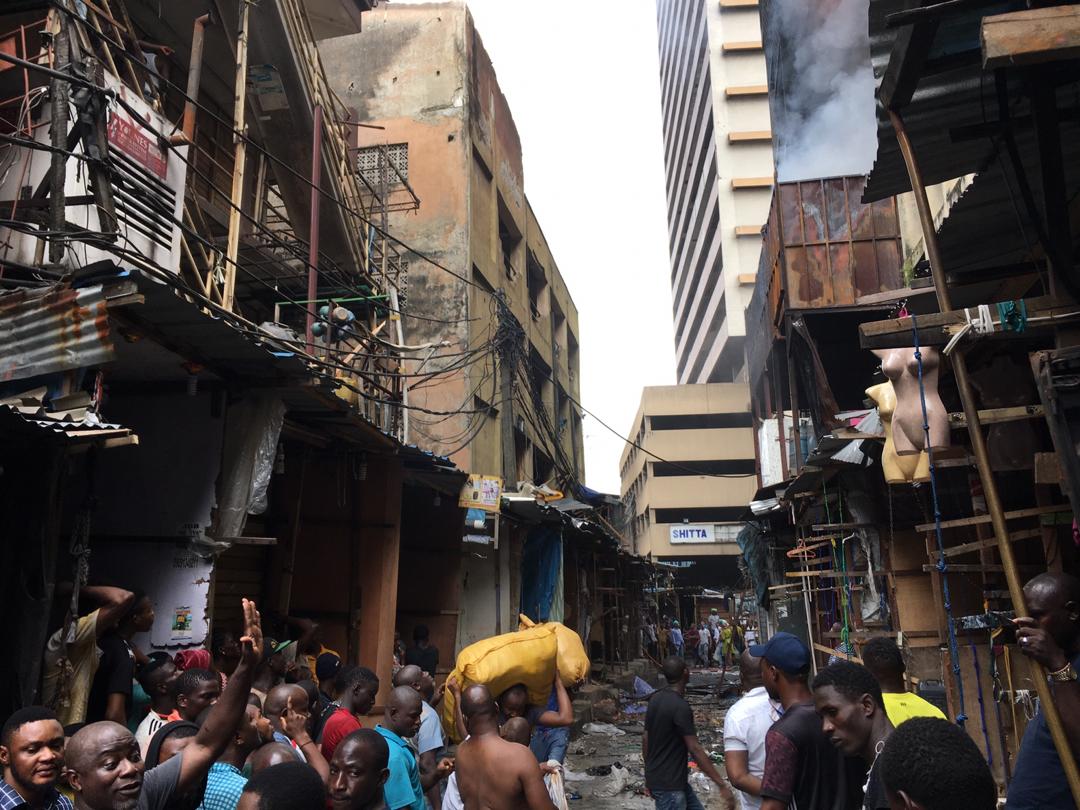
(492, 773)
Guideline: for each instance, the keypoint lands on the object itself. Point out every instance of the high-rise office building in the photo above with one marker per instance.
(719, 166)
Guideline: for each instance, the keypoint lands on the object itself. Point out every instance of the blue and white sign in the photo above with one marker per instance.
(693, 533)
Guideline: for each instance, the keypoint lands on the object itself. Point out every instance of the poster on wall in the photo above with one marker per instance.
(176, 579)
(482, 492)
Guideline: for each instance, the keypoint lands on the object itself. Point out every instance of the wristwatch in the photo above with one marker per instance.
(1064, 675)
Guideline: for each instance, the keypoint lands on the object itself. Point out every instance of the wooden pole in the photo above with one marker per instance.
(982, 456)
(240, 157)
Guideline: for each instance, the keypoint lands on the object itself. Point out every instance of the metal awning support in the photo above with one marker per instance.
(982, 456)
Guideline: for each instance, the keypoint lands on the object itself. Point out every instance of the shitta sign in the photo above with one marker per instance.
(686, 533)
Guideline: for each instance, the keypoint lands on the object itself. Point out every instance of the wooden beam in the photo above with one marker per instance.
(830, 573)
(909, 53)
(738, 3)
(976, 568)
(750, 136)
(736, 90)
(1031, 37)
(751, 182)
(831, 651)
(1034, 511)
(748, 230)
(744, 46)
(991, 416)
(991, 542)
(937, 328)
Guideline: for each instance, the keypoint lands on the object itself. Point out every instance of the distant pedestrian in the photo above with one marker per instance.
(844, 649)
(423, 653)
(677, 643)
(670, 735)
(704, 643)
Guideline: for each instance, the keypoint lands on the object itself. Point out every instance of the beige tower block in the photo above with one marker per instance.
(898, 469)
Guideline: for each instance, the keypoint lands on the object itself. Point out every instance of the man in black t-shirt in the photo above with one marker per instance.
(669, 736)
(802, 768)
(110, 692)
(848, 701)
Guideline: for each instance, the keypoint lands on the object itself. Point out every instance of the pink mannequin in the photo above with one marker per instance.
(901, 368)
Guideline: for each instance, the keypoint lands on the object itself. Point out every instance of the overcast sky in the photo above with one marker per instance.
(582, 80)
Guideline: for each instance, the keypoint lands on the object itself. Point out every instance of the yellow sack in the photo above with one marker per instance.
(573, 663)
(527, 657)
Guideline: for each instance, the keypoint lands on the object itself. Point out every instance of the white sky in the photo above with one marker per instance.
(582, 80)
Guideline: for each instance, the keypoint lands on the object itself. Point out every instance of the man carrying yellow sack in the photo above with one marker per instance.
(551, 724)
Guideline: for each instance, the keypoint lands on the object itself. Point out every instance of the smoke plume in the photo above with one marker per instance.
(822, 88)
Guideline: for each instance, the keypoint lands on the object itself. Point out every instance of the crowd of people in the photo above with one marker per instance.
(853, 737)
(714, 642)
(253, 722)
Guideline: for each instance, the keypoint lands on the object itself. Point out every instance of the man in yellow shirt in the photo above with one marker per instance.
(884, 659)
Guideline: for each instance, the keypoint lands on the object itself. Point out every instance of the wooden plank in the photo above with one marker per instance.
(980, 569)
(748, 230)
(742, 46)
(1034, 511)
(749, 136)
(831, 651)
(829, 527)
(735, 90)
(890, 296)
(906, 60)
(1031, 37)
(829, 573)
(746, 278)
(738, 3)
(937, 328)
(751, 182)
(979, 545)
(1047, 469)
(991, 416)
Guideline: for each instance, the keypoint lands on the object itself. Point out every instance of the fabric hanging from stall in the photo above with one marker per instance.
(541, 573)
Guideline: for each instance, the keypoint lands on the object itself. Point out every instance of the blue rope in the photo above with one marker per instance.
(982, 707)
(942, 566)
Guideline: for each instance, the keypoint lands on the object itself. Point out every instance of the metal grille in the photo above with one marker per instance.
(370, 165)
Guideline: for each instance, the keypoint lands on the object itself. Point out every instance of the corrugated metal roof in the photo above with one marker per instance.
(953, 91)
(989, 226)
(71, 431)
(52, 329)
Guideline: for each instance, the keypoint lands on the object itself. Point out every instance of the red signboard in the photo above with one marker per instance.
(132, 139)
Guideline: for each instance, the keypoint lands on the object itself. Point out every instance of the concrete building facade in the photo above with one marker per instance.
(686, 501)
(719, 167)
(420, 74)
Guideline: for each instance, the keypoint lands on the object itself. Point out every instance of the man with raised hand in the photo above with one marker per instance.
(104, 765)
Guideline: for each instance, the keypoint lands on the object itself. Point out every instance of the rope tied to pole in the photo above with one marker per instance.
(941, 565)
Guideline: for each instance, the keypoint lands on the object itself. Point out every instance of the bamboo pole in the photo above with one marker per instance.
(240, 156)
(982, 456)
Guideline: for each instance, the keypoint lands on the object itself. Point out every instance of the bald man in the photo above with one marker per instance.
(104, 764)
(401, 720)
(429, 740)
(492, 773)
(286, 708)
(270, 754)
(1049, 635)
(358, 771)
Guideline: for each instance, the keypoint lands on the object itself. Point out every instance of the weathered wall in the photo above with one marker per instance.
(421, 71)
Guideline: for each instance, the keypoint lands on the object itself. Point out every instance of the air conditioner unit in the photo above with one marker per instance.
(147, 184)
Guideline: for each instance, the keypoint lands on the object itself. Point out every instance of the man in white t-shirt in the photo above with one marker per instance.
(745, 727)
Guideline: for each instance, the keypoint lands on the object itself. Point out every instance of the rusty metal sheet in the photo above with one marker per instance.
(840, 264)
(836, 197)
(52, 329)
(813, 211)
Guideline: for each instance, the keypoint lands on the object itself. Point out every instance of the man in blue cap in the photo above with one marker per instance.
(802, 768)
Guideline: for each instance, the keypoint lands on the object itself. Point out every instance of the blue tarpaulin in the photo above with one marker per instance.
(541, 566)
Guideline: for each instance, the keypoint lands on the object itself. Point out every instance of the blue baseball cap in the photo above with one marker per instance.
(785, 652)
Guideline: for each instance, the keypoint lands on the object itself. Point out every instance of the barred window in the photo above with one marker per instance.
(369, 163)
